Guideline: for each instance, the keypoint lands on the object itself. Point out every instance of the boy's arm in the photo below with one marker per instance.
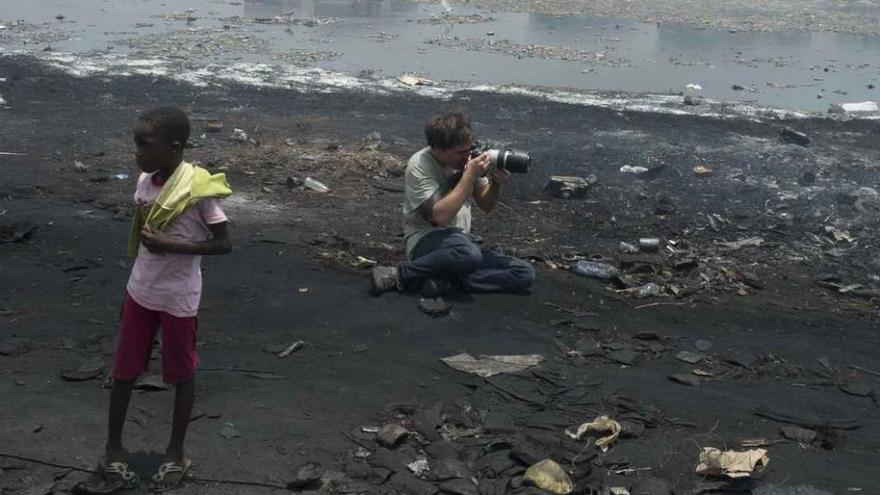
(158, 242)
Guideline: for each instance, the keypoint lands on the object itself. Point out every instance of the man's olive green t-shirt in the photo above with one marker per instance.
(425, 177)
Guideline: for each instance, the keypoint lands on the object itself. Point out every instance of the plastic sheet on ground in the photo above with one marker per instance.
(602, 424)
(486, 366)
(730, 463)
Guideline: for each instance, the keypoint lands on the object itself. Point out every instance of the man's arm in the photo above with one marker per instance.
(445, 209)
(159, 242)
(487, 195)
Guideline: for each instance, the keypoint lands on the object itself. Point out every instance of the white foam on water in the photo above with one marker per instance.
(318, 80)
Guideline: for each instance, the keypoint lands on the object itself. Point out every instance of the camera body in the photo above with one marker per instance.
(515, 162)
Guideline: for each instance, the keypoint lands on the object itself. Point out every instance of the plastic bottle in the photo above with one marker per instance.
(315, 185)
(594, 269)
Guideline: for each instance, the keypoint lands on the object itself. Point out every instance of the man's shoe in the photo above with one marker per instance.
(385, 278)
(437, 287)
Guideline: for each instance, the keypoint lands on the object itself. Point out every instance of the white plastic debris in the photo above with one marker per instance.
(315, 185)
(694, 87)
(419, 466)
(120, 176)
(239, 135)
(2, 101)
(863, 106)
(627, 169)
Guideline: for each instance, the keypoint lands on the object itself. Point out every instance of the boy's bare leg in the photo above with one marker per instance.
(120, 394)
(184, 396)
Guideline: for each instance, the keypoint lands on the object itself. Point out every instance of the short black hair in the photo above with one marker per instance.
(449, 130)
(170, 124)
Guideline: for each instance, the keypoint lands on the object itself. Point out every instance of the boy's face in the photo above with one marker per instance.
(151, 151)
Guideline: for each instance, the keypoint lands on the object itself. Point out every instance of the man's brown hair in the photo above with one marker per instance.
(449, 130)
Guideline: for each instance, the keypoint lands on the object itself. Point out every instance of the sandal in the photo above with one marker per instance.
(170, 469)
(114, 476)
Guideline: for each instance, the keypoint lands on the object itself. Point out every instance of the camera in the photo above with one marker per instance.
(515, 162)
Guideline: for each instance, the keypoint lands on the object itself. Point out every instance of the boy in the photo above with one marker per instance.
(177, 219)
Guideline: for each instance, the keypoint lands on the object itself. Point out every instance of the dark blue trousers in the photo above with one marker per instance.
(452, 254)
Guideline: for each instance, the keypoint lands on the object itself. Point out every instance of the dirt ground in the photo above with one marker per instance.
(780, 343)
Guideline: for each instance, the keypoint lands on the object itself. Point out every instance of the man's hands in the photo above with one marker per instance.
(477, 167)
(498, 176)
(156, 241)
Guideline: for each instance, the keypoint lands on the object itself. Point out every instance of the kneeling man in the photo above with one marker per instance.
(442, 182)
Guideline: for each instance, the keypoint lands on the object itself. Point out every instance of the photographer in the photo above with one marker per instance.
(442, 182)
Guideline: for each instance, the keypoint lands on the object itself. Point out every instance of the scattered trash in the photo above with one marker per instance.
(568, 187)
(602, 424)
(360, 263)
(121, 176)
(291, 349)
(730, 463)
(694, 87)
(649, 244)
(628, 169)
(487, 366)
(228, 431)
(419, 467)
(737, 87)
(293, 182)
(434, 306)
(2, 101)
(790, 135)
(749, 242)
(627, 248)
(618, 490)
(702, 170)
(595, 269)
(864, 106)
(413, 80)
(690, 357)
(239, 135)
(548, 475)
(80, 166)
(391, 434)
(315, 185)
(216, 126)
(308, 476)
(647, 290)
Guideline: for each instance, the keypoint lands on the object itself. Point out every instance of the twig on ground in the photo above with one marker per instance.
(10, 153)
(46, 463)
(237, 482)
(864, 370)
(659, 304)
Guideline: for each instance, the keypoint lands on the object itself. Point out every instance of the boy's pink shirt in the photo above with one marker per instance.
(172, 282)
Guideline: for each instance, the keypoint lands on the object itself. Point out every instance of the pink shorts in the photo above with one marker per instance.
(137, 332)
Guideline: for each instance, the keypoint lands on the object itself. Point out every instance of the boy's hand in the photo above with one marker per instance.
(156, 241)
